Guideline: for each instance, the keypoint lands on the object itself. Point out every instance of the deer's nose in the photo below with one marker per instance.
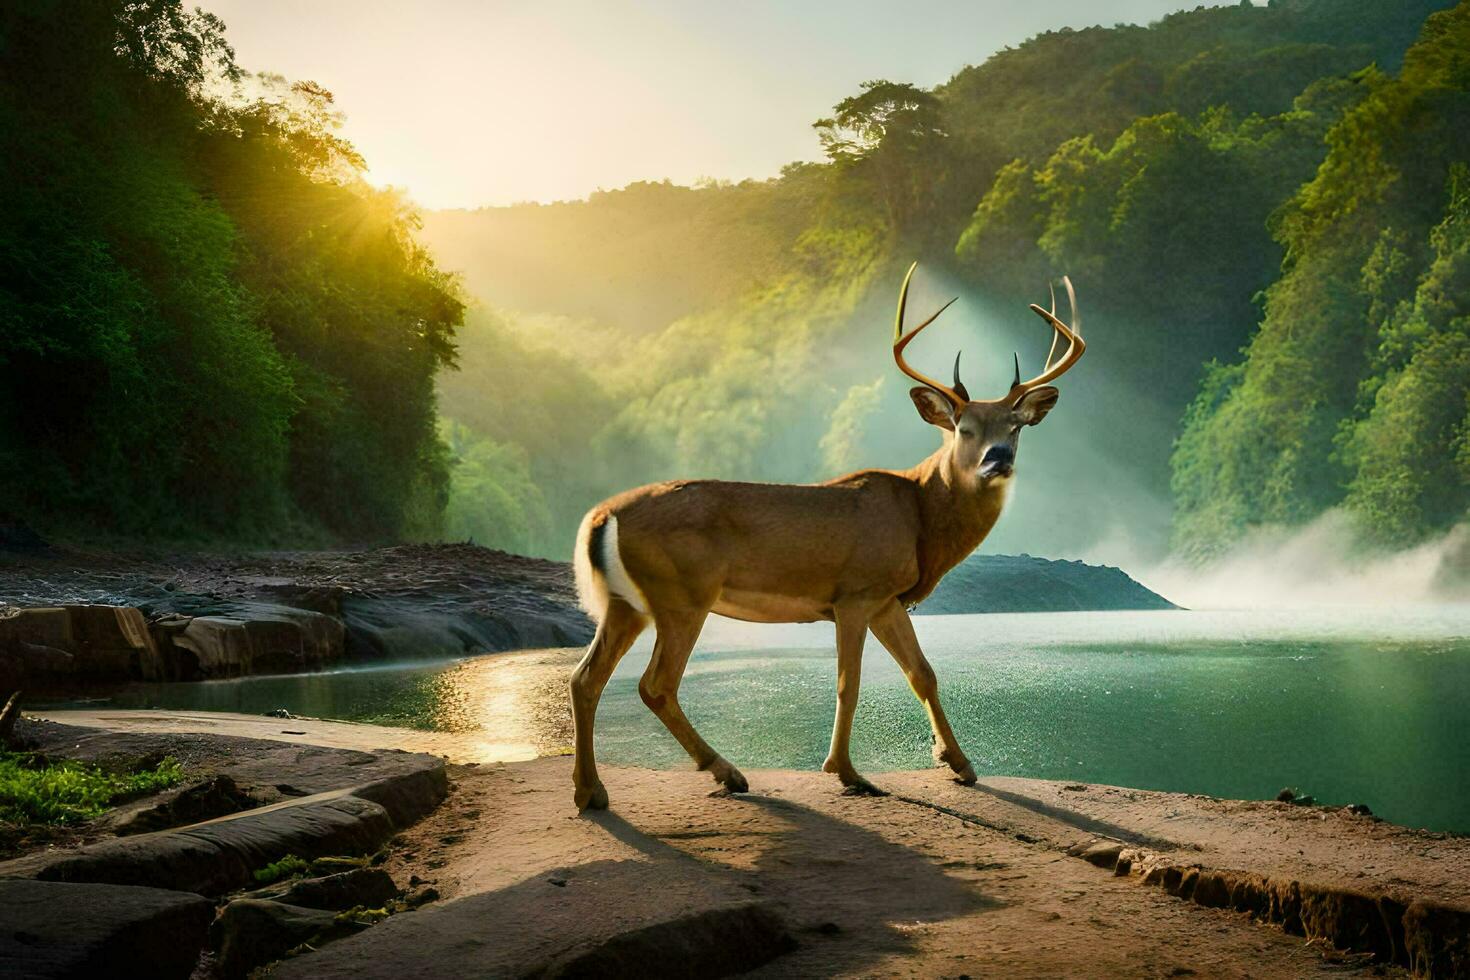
(999, 460)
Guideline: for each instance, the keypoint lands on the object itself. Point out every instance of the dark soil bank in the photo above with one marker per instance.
(75, 618)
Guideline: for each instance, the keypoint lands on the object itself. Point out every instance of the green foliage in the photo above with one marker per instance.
(209, 325)
(493, 500)
(37, 791)
(1354, 389)
(289, 866)
(736, 331)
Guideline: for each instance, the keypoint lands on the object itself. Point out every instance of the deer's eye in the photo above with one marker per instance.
(967, 433)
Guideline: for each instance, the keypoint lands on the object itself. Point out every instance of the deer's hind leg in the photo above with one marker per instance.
(659, 688)
(620, 626)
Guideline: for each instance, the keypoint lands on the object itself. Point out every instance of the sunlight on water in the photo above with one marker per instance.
(1352, 707)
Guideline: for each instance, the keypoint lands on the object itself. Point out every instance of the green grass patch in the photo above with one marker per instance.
(39, 791)
(289, 866)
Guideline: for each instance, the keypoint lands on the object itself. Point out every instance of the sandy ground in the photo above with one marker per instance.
(314, 731)
(871, 887)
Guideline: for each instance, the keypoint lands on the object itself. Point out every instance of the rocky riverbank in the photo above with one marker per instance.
(75, 619)
(265, 847)
(70, 619)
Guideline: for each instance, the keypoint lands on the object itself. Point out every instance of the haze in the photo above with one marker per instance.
(468, 104)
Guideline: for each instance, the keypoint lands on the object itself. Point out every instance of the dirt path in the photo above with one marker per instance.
(908, 885)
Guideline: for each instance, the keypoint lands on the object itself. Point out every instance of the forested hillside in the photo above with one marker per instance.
(741, 330)
(1356, 387)
(210, 326)
(213, 327)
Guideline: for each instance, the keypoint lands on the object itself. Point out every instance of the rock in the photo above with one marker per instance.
(8, 716)
(220, 855)
(251, 932)
(369, 887)
(1103, 853)
(164, 859)
(324, 599)
(216, 797)
(1021, 583)
(279, 713)
(309, 829)
(1431, 939)
(52, 929)
(1437, 940)
(390, 629)
(1353, 920)
(239, 638)
(77, 643)
(717, 942)
(421, 896)
(411, 793)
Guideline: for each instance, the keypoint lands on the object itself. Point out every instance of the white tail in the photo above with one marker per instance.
(591, 587)
(599, 568)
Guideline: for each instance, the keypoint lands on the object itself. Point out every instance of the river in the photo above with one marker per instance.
(1351, 705)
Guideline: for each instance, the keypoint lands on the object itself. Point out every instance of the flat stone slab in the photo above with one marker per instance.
(616, 918)
(332, 801)
(406, 783)
(219, 855)
(58, 930)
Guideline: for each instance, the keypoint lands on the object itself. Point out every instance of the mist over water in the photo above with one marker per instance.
(1320, 564)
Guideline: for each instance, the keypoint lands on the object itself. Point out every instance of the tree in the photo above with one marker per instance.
(890, 133)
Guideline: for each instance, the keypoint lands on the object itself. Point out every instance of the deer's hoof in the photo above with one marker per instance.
(965, 776)
(591, 797)
(728, 776)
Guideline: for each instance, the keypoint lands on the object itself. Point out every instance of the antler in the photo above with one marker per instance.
(957, 395)
(1073, 335)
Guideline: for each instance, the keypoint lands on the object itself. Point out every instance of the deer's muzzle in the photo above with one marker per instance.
(999, 460)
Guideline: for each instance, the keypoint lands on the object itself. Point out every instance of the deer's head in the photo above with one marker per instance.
(982, 436)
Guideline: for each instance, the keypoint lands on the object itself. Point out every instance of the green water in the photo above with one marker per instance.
(1350, 706)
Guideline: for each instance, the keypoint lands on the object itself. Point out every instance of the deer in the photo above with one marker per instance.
(859, 551)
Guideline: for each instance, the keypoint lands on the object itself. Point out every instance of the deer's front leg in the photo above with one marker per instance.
(895, 631)
(852, 627)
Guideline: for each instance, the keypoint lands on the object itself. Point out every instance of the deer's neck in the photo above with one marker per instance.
(955, 515)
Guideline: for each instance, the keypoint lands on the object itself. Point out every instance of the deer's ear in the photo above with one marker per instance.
(933, 407)
(1034, 405)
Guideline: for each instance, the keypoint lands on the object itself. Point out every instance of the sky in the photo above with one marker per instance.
(467, 104)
